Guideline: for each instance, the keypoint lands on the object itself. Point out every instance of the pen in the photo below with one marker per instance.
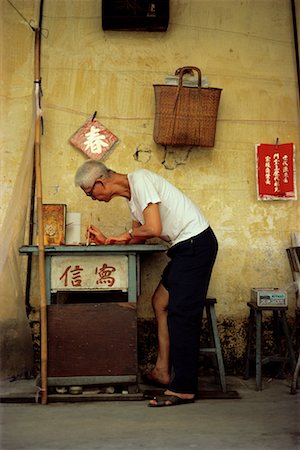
(88, 236)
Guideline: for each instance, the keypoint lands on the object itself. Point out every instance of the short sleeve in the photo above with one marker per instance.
(144, 191)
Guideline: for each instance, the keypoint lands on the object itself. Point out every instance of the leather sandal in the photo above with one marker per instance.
(170, 400)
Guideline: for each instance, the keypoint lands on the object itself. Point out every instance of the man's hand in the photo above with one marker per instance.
(123, 238)
(95, 235)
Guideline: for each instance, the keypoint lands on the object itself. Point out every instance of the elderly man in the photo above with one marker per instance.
(159, 209)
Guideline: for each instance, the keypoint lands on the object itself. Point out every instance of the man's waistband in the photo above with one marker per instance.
(191, 240)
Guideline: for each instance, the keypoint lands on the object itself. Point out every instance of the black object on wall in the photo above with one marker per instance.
(296, 39)
(135, 15)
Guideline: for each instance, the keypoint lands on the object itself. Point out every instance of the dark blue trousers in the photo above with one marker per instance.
(186, 278)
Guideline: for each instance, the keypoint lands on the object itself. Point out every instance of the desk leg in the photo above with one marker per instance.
(251, 323)
(288, 340)
(132, 278)
(258, 320)
(48, 278)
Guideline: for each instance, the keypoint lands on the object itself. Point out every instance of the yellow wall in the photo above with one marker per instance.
(244, 47)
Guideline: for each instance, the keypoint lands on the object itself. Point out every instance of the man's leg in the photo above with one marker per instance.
(161, 371)
(160, 302)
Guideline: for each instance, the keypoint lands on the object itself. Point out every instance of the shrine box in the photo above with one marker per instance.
(54, 224)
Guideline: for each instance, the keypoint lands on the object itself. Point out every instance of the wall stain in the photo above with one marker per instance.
(174, 158)
(142, 155)
(233, 339)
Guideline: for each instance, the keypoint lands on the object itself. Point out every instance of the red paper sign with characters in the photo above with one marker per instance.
(94, 139)
(276, 175)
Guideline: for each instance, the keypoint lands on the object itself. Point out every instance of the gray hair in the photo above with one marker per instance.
(89, 172)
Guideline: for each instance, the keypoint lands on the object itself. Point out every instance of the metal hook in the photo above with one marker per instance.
(277, 140)
(94, 115)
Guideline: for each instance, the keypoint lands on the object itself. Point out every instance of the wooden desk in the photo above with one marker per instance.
(255, 324)
(93, 343)
(122, 262)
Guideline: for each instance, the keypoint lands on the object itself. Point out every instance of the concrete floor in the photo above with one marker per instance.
(266, 420)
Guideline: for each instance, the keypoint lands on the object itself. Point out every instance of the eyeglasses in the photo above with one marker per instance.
(90, 193)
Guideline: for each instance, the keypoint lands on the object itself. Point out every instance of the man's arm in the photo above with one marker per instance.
(139, 233)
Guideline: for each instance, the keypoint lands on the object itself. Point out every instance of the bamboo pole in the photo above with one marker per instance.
(30, 239)
(296, 40)
(39, 198)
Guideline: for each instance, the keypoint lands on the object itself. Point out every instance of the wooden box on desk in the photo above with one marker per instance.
(54, 221)
(92, 340)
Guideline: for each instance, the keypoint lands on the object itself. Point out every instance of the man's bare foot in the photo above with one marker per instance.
(157, 376)
(183, 396)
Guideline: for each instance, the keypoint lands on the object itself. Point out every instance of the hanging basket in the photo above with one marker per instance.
(186, 115)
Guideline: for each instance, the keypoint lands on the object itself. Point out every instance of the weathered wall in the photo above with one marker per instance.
(16, 147)
(244, 47)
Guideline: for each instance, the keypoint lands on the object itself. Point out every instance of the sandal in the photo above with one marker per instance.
(173, 400)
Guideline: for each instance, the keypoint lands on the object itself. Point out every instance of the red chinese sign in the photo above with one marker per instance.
(276, 172)
(72, 276)
(94, 139)
(106, 272)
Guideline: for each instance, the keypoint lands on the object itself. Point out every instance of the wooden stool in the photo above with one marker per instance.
(214, 342)
(255, 321)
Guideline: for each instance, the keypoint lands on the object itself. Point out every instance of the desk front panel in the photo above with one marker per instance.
(97, 339)
(83, 273)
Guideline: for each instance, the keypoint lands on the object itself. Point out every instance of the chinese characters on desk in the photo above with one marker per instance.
(276, 174)
(72, 275)
(89, 272)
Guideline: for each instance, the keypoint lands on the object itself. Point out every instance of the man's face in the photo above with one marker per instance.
(100, 190)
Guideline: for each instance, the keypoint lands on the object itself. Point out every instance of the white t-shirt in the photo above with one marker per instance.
(181, 219)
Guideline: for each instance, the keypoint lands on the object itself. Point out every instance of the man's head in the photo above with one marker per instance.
(91, 173)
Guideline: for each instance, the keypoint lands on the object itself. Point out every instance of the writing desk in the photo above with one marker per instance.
(92, 343)
(93, 267)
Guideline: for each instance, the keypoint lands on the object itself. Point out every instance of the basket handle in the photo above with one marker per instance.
(188, 69)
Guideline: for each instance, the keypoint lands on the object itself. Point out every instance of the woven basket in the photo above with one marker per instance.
(186, 115)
